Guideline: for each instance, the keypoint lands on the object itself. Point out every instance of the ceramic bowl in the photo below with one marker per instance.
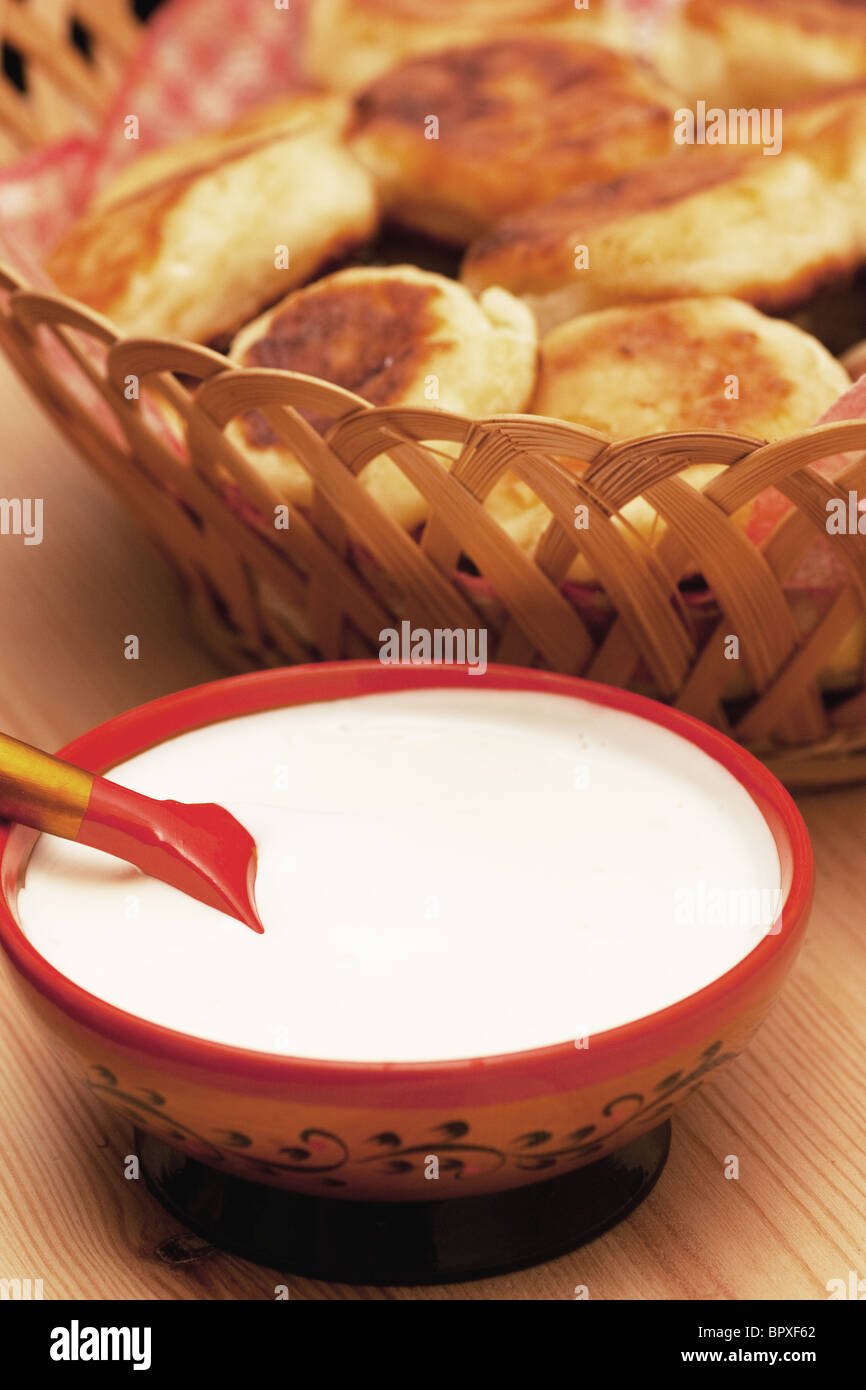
(364, 1131)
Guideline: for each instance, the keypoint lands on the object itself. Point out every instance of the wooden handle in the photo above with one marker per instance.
(40, 790)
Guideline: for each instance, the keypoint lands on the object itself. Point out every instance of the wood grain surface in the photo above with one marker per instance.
(793, 1109)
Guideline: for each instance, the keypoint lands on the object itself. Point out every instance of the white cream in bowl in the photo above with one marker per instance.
(442, 874)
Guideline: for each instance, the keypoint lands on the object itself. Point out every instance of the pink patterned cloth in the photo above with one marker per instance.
(201, 63)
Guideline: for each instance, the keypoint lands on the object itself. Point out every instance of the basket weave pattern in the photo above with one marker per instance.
(56, 90)
(344, 570)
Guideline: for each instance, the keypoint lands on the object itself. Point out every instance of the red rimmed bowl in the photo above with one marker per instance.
(362, 1130)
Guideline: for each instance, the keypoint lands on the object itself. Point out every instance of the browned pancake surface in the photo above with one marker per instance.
(518, 122)
(539, 232)
(373, 339)
(513, 90)
(100, 252)
(692, 359)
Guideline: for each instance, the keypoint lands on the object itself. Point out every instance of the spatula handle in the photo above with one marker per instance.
(200, 849)
(40, 790)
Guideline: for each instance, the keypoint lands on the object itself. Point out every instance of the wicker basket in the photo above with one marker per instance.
(343, 570)
(61, 61)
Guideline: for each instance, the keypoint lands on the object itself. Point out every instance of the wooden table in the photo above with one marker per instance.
(792, 1109)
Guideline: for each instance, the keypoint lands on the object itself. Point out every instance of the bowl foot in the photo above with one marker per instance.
(404, 1242)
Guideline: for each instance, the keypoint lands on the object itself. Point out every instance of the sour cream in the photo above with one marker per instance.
(442, 874)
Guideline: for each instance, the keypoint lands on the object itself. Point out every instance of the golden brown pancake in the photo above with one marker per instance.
(764, 52)
(831, 131)
(302, 110)
(710, 363)
(704, 221)
(394, 336)
(348, 43)
(650, 368)
(516, 123)
(197, 252)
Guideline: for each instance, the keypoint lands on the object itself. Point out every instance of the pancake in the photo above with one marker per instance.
(831, 131)
(764, 52)
(519, 121)
(656, 368)
(198, 252)
(348, 43)
(646, 369)
(301, 110)
(703, 221)
(394, 336)
(651, 369)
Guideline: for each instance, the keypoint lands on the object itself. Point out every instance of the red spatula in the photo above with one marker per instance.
(199, 848)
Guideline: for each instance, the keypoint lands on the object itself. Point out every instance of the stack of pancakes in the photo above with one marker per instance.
(607, 270)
